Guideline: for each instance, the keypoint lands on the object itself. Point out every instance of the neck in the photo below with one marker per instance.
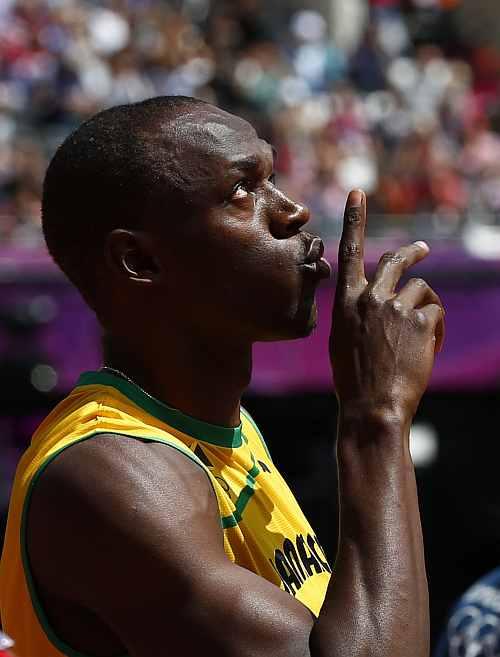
(203, 380)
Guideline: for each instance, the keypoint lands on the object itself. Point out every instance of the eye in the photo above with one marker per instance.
(241, 190)
(272, 179)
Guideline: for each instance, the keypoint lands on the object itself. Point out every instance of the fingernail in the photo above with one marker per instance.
(356, 197)
(422, 245)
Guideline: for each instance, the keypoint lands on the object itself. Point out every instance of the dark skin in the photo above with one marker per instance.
(126, 575)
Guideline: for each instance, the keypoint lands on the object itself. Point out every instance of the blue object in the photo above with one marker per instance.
(473, 627)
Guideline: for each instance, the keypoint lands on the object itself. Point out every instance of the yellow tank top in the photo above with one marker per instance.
(264, 528)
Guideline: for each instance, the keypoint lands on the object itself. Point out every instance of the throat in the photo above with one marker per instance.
(202, 382)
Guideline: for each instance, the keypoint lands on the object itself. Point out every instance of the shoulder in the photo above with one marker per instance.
(132, 536)
(110, 462)
(113, 492)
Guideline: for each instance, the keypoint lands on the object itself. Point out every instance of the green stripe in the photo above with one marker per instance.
(255, 468)
(243, 498)
(37, 606)
(257, 430)
(203, 431)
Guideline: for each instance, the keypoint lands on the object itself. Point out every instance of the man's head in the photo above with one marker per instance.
(169, 205)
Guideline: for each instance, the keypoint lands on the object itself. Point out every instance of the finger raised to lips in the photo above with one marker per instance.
(351, 268)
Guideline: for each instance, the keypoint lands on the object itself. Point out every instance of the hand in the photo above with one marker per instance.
(383, 342)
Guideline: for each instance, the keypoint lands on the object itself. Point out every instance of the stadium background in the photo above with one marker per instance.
(399, 98)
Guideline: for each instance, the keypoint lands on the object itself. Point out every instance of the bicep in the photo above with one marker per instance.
(152, 563)
(226, 610)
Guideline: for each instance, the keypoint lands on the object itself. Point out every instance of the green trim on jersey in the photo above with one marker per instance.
(243, 498)
(257, 430)
(203, 431)
(37, 606)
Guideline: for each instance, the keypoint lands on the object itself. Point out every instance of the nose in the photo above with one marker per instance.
(288, 218)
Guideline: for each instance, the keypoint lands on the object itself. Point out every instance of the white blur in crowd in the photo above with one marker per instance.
(369, 97)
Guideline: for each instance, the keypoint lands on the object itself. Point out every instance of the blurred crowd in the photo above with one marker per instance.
(406, 108)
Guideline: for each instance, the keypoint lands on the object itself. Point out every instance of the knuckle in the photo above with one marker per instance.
(396, 306)
(388, 256)
(350, 250)
(420, 319)
(370, 299)
(353, 216)
(419, 282)
(392, 258)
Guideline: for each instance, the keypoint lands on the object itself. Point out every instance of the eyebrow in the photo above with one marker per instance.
(251, 162)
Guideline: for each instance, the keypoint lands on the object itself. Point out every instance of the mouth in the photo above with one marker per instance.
(314, 263)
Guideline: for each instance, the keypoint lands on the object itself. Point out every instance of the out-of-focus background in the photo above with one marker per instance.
(401, 98)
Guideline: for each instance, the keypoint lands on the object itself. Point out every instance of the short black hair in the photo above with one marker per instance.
(106, 175)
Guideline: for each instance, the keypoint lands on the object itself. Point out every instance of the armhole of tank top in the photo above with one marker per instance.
(257, 431)
(58, 643)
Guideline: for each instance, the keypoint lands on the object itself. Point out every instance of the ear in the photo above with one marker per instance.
(130, 254)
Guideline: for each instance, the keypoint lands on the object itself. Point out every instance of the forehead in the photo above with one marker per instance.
(219, 138)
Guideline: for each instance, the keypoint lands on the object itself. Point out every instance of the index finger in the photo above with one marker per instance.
(351, 266)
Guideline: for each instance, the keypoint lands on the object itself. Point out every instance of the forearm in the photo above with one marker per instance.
(377, 603)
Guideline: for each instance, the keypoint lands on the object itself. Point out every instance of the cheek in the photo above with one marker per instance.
(268, 285)
(238, 266)
(238, 249)
(265, 266)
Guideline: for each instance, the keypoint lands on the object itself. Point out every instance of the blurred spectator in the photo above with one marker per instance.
(397, 114)
(473, 628)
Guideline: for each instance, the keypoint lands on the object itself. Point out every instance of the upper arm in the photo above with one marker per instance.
(134, 535)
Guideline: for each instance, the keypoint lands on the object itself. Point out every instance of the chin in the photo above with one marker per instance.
(307, 326)
(301, 325)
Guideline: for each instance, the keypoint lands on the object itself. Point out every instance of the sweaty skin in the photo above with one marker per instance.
(116, 568)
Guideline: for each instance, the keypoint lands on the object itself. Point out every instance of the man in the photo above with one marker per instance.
(147, 517)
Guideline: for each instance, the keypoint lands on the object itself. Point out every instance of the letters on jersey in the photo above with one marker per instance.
(298, 560)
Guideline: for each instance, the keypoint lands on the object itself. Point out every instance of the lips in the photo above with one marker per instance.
(314, 261)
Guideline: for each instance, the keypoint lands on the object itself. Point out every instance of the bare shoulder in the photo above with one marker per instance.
(113, 490)
(92, 466)
(130, 532)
